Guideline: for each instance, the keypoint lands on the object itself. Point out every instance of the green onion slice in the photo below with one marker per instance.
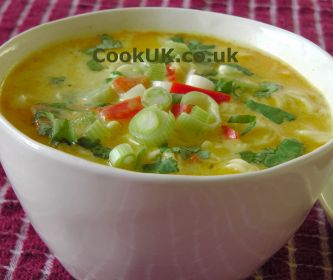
(157, 96)
(122, 156)
(151, 126)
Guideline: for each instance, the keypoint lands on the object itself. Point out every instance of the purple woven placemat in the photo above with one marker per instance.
(307, 256)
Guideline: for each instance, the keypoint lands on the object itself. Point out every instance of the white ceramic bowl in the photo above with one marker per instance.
(105, 223)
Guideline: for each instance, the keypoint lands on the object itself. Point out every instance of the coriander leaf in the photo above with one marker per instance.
(258, 158)
(274, 114)
(162, 166)
(225, 86)
(195, 46)
(87, 143)
(94, 65)
(203, 154)
(109, 43)
(164, 148)
(186, 152)
(241, 69)
(242, 119)
(251, 120)
(101, 151)
(192, 149)
(198, 47)
(106, 43)
(44, 129)
(95, 146)
(177, 39)
(60, 131)
(287, 150)
(57, 105)
(248, 128)
(57, 80)
(267, 89)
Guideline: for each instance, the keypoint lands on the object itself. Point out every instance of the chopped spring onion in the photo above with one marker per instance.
(156, 71)
(178, 48)
(190, 127)
(163, 84)
(203, 118)
(151, 126)
(122, 156)
(100, 130)
(135, 91)
(200, 114)
(62, 132)
(157, 96)
(206, 103)
(200, 82)
(105, 93)
(130, 70)
(231, 69)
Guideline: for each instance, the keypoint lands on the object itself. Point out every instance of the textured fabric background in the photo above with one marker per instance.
(307, 256)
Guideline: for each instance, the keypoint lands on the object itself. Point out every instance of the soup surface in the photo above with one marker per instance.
(205, 117)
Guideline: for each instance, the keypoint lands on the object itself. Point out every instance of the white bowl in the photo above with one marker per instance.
(105, 223)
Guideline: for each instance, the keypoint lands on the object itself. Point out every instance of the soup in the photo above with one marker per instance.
(166, 103)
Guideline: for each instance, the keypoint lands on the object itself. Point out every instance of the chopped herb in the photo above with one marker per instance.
(57, 80)
(162, 166)
(196, 46)
(248, 128)
(60, 131)
(106, 43)
(274, 114)
(95, 146)
(267, 89)
(101, 151)
(44, 129)
(177, 39)
(57, 105)
(98, 104)
(203, 154)
(251, 120)
(224, 86)
(186, 152)
(94, 65)
(109, 43)
(241, 69)
(87, 143)
(242, 119)
(287, 150)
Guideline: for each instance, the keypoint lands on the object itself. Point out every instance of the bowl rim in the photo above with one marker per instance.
(65, 158)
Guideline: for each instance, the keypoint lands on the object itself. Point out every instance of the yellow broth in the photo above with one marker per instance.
(28, 83)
